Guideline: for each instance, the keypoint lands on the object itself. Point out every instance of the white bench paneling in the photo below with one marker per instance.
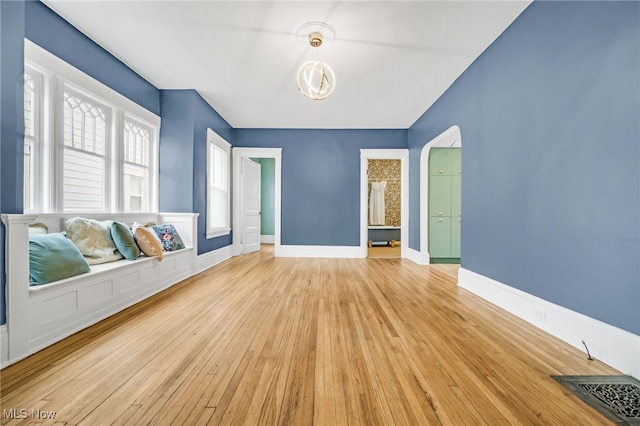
(38, 316)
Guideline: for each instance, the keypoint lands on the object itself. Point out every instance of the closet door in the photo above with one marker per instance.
(445, 203)
(456, 215)
(440, 162)
(455, 237)
(440, 201)
(440, 237)
(456, 201)
(456, 163)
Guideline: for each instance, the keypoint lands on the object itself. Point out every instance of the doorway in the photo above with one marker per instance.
(384, 235)
(238, 225)
(450, 138)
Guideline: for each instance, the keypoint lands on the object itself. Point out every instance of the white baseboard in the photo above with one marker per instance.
(4, 346)
(417, 256)
(320, 251)
(209, 259)
(611, 345)
(267, 239)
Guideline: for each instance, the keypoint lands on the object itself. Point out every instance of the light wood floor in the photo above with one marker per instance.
(384, 251)
(263, 340)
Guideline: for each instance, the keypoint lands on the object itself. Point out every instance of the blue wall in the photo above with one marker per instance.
(549, 116)
(176, 151)
(321, 179)
(183, 157)
(183, 130)
(50, 31)
(205, 117)
(12, 21)
(42, 26)
(551, 151)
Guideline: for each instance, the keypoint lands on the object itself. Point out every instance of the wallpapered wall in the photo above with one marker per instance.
(388, 170)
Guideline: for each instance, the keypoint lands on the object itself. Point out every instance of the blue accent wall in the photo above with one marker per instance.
(186, 116)
(50, 31)
(176, 151)
(321, 179)
(12, 21)
(206, 117)
(549, 116)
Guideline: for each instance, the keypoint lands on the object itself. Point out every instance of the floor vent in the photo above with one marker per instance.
(616, 397)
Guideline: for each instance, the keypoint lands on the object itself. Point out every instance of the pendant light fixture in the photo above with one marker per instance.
(315, 78)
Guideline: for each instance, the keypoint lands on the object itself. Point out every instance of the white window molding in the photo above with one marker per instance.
(98, 145)
(139, 164)
(218, 185)
(33, 105)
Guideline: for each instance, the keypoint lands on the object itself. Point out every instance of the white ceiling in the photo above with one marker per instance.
(392, 60)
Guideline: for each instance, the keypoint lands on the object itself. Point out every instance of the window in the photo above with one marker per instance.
(218, 188)
(137, 140)
(31, 107)
(87, 148)
(84, 157)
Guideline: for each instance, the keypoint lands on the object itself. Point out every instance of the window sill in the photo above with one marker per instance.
(213, 234)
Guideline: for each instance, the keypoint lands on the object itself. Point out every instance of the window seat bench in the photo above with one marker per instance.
(38, 316)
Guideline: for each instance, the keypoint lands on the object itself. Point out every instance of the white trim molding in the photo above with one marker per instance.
(335, 252)
(212, 258)
(417, 256)
(267, 239)
(450, 138)
(53, 64)
(218, 146)
(611, 345)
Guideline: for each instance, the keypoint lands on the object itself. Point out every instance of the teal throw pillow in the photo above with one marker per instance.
(124, 241)
(53, 257)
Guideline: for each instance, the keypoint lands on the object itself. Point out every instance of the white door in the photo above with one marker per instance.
(250, 202)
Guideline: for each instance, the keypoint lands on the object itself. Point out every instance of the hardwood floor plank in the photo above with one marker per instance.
(258, 340)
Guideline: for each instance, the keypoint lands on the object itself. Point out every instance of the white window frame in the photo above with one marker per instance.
(35, 202)
(108, 200)
(150, 190)
(216, 141)
(56, 76)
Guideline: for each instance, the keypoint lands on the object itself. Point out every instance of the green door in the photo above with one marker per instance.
(440, 161)
(455, 236)
(456, 197)
(445, 203)
(440, 196)
(440, 237)
(456, 161)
